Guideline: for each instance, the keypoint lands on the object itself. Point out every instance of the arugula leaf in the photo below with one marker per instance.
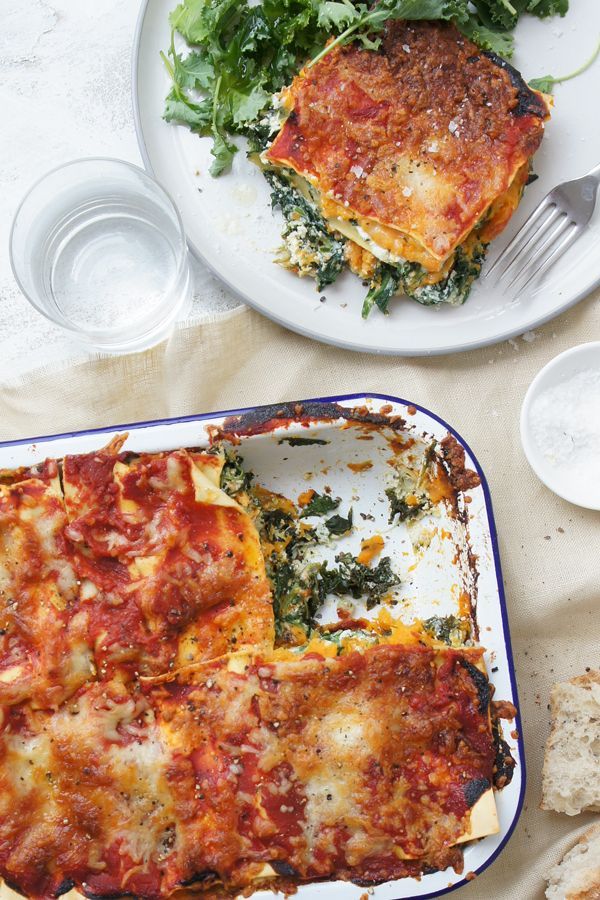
(320, 505)
(339, 525)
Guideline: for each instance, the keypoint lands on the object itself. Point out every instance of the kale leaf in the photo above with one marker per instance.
(544, 8)
(497, 41)
(320, 505)
(339, 525)
(504, 14)
(357, 580)
(401, 509)
(302, 441)
(497, 14)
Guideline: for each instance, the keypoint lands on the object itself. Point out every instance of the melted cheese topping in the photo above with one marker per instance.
(315, 747)
(172, 566)
(44, 652)
(93, 779)
(334, 766)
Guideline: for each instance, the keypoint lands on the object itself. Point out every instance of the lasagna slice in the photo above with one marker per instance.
(85, 798)
(251, 771)
(413, 158)
(364, 767)
(44, 649)
(170, 566)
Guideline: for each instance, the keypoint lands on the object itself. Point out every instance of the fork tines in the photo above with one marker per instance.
(550, 230)
(536, 237)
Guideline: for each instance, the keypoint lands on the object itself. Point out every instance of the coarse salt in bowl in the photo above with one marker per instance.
(560, 425)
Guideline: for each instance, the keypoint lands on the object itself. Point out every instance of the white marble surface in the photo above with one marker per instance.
(65, 92)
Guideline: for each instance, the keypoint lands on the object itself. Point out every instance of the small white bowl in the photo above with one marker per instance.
(562, 480)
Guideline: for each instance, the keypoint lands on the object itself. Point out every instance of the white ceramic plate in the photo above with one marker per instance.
(429, 582)
(230, 225)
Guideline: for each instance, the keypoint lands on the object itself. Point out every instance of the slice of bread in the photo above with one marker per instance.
(577, 875)
(571, 774)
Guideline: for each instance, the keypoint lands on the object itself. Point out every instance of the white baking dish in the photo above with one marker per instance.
(458, 556)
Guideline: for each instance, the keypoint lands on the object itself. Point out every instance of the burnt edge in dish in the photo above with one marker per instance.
(265, 418)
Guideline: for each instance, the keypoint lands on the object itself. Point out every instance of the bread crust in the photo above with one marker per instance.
(587, 879)
(562, 746)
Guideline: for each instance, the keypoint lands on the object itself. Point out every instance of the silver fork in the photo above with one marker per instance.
(553, 226)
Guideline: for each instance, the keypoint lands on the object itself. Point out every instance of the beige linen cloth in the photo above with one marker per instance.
(550, 550)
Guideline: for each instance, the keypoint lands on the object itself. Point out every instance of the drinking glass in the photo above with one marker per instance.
(98, 248)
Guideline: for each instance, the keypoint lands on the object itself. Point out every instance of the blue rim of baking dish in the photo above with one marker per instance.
(199, 417)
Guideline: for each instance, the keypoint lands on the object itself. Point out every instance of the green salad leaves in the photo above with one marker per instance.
(241, 52)
(504, 14)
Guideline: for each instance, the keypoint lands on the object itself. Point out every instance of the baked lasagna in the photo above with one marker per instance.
(403, 163)
(166, 724)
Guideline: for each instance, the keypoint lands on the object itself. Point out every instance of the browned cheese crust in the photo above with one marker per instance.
(421, 136)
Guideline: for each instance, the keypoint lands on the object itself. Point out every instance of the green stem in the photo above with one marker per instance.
(581, 69)
(215, 102)
(168, 65)
(509, 7)
(340, 39)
